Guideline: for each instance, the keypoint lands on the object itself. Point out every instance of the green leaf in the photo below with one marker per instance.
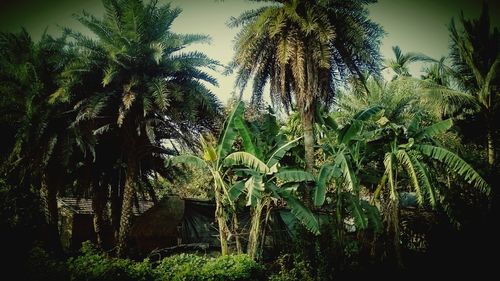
(303, 214)
(456, 164)
(360, 219)
(246, 137)
(229, 132)
(248, 160)
(435, 129)
(295, 176)
(373, 215)
(281, 151)
(350, 131)
(367, 113)
(191, 160)
(254, 187)
(389, 175)
(348, 178)
(109, 73)
(236, 190)
(410, 169)
(423, 175)
(324, 176)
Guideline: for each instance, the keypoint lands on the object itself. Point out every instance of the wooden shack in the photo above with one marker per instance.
(76, 220)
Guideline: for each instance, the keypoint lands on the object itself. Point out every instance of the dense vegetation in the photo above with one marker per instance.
(379, 176)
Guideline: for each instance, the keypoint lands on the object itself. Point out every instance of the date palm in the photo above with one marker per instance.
(302, 48)
(135, 81)
(36, 137)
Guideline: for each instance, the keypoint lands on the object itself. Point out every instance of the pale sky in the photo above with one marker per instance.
(417, 26)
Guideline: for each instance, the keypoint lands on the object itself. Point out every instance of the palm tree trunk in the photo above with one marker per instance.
(491, 147)
(127, 205)
(253, 236)
(99, 208)
(221, 221)
(307, 123)
(49, 196)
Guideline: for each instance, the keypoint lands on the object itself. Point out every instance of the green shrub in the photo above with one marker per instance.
(95, 266)
(232, 268)
(180, 267)
(189, 267)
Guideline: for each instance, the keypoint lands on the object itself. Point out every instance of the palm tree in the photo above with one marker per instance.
(134, 81)
(302, 48)
(36, 131)
(438, 73)
(401, 62)
(475, 55)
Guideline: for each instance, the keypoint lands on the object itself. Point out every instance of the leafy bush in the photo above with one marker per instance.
(188, 267)
(231, 268)
(93, 265)
(180, 267)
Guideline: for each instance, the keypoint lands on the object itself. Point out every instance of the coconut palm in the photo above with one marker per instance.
(134, 81)
(401, 62)
(302, 48)
(438, 73)
(475, 55)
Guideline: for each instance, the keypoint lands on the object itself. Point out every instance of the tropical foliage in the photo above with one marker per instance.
(302, 48)
(342, 160)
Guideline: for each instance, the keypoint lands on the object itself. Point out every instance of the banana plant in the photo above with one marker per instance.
(413, 150)
(344, 150)
(265, 181)
(410, 163)
(213, 162)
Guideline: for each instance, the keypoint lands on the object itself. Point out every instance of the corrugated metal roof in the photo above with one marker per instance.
(84, 205)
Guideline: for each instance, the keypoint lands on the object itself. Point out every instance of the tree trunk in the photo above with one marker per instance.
(127, 205)
(116, 209)
(394, 231)
(267, 207)
(307, 116)
(49, 196)
(236, 230)
(254, 234)
(99, 208)
(491, 148)
(221, 220)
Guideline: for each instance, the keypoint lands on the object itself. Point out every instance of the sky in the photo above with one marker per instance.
(416, 26)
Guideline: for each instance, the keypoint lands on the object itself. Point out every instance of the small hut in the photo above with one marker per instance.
(174, 222)
(76, 220)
